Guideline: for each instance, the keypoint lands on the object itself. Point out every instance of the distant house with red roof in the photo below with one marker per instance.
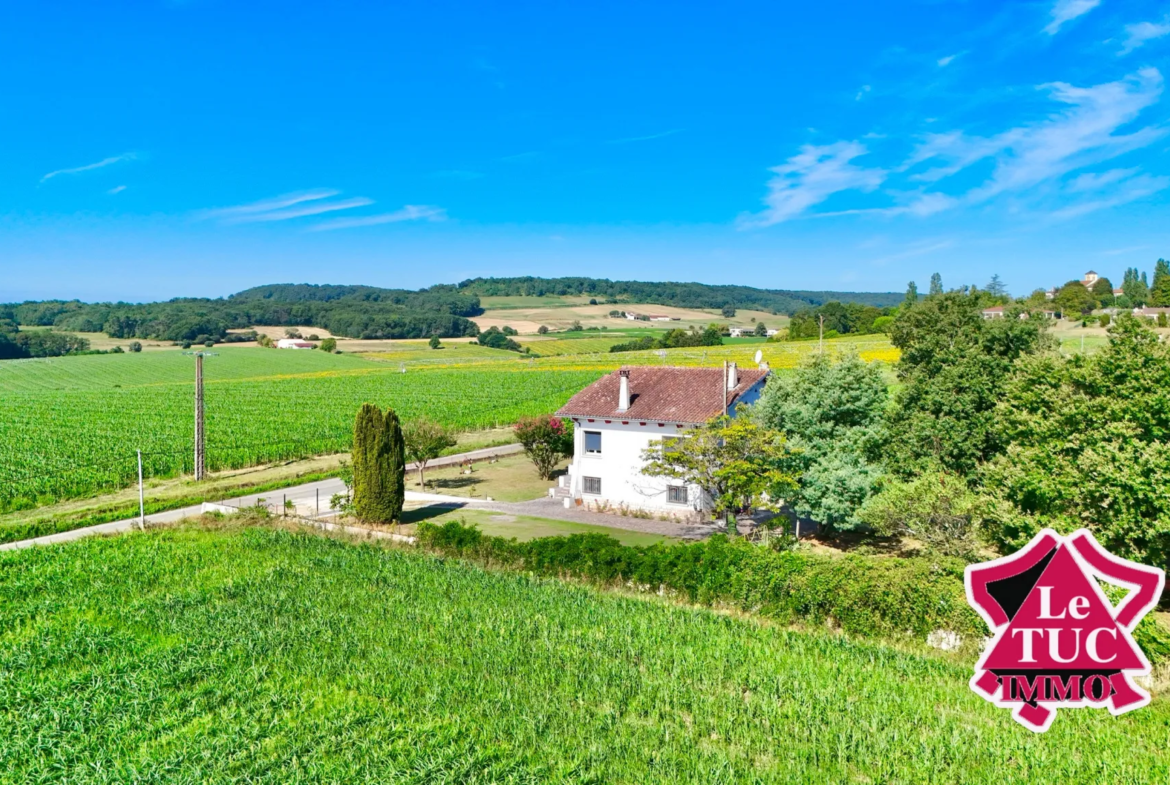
(617, 417)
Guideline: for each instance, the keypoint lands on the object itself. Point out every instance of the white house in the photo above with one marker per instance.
(617, 417)
(293, 343)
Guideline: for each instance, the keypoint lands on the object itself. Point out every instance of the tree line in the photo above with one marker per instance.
(682, 295)
(351, 311)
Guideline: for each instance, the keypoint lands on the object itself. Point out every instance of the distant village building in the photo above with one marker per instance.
(294, 343)
(617, 417)
(994, 312)
(1090, 279)
(1150, 311)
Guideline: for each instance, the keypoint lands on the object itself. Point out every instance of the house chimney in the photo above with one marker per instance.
(732, 377)
(623, 390)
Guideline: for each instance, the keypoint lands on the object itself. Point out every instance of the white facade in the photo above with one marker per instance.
(293, 343)
(606, 472)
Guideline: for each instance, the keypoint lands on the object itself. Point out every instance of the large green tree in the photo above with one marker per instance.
(736, 462)
(1074, 299)
(1103, 291)
(1089, 446)
(1135, 287)
(1160, 291)
(953, 368)
(424, 440)
(831, 414)
(379, 465)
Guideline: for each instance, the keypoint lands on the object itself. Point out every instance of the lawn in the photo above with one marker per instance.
(512, 478)
(254, 655)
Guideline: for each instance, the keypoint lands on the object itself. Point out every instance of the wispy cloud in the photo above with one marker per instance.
(411, 212)
(1138, 34)
(268, 205)
(943, 62)
(315, 208)
(1120, 251)
(117, 189)
(1067, 10)
(114, 159)
(1046, 164)
(861, 93)
(648, 137)
(1082, 135)
(809, 178)
(916, 249)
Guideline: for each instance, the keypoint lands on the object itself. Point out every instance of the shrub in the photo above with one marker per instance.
(542, 330)
(1103, 320)
(1162, 319)
(328, 345)
(209, 343)
(435, 343)
(135, 346)
(546, 439)
(865, 595)
(937, 508)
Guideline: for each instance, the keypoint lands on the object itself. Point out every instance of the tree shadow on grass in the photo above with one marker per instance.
(452, 483)
(430, 511)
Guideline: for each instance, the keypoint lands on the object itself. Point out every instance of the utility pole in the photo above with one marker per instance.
(200, 451)
(199, 463)
(141, 497)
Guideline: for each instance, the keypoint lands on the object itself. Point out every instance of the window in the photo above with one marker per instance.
(592, 485)
(593, 442)
(676, 494)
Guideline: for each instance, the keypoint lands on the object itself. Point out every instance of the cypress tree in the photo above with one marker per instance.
(1160, 292)
(379, 464)
(395, 464)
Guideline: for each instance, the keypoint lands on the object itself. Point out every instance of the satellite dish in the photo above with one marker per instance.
(759, 356)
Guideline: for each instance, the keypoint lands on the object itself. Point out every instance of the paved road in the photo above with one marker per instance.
(304, 496)
(313, 499)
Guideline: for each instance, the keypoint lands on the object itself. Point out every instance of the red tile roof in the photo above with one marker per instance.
(661, 393)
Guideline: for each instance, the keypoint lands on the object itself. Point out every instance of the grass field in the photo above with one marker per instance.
(71, 427)
(250, 655)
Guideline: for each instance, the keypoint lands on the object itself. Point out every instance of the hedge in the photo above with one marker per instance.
(872, 596)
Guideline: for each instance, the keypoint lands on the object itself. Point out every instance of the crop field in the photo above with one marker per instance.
(591, 345)
(253, 655)
(68, 431)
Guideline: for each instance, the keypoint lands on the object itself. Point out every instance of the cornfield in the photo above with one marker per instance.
(63, 443)
(260, 656)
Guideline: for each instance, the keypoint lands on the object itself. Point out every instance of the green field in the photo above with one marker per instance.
(248, 655)
(561, 346)
(70, 427)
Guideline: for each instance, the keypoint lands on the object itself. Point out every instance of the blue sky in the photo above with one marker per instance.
(156, 149)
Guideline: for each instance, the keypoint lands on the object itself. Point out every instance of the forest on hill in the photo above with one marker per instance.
(351, 311)
(682, 295)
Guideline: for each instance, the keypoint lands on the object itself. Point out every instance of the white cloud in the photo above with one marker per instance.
(810, 177)
(267, 205)
(1047, 164)
(411, 212)
(1140, 33)
(943, 62)
(90, 167)
(116, 190)
(861, 93)
(1081, 135)
(300, 212)
(1067, 10)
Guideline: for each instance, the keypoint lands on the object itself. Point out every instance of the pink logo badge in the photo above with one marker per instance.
(1057, 641)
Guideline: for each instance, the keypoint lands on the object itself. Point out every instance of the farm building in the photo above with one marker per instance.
(617, 417)
(294, 343)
